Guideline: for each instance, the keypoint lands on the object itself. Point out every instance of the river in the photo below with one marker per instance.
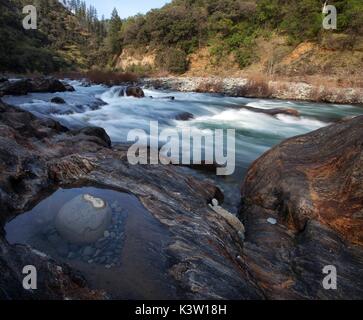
(255, 132)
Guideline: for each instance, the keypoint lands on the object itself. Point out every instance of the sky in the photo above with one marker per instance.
(125, 8)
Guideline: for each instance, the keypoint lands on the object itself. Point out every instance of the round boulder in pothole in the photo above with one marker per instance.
(83, 220)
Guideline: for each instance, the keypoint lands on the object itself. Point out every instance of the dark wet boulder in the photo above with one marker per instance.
(311, 186)
(184, 116)
(95, 105)
(68, 87)
(24, 86)
(134, 91)
(16, 88)
(3, 79)
(58, 100)
(48, 85)
(273, 112)
(98, 133)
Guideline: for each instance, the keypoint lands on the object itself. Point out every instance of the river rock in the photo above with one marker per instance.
(83, 219)
(134, 91)
(57, 100)
(16, 88)
(48, 84)
(184, 116)
(41, 84)
(274, 111)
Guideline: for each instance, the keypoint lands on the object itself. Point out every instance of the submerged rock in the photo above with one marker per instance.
(273, 112)
(57, 100)
(184, 116)
(83, 219)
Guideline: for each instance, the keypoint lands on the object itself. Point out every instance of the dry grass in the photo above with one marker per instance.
(101, 77)
(211, 86)
(257, 86)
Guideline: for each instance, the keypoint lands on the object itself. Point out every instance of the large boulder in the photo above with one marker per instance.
(135, 91)
(311, 186)
(48, 84)
(24, 86)
(16, 88)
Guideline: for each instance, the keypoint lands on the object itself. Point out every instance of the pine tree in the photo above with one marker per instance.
(115, 24)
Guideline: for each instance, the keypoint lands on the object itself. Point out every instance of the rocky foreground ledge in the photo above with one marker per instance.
(242, 87)
(311, 186)
(316, 200)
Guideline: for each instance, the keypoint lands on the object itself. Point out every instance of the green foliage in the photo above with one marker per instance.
(70, 35)
(231, 26)
(67, 37)
(113, 37)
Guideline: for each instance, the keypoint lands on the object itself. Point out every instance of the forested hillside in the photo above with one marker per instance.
(275, 37)
(245, 32)
(69, 35)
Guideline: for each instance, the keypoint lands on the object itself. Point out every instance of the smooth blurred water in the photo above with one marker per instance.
(255, 132)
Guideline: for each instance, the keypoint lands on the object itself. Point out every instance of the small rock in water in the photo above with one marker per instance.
(272, 220)
(106, 234)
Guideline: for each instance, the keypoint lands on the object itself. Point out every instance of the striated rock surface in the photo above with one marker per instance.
(40, 155)
(301, 210)
(312, 186)
(56, 281)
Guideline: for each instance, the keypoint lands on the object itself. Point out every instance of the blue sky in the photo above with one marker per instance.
(125, 8)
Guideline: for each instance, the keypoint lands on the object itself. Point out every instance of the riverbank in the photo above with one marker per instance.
(259, 88)
(279, 252)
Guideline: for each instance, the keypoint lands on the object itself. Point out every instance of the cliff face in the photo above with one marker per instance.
(131, 59)
(312, 186)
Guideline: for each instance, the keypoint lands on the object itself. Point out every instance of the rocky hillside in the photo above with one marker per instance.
(282, 38)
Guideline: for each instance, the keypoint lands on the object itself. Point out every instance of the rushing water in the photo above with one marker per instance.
(255, 132)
